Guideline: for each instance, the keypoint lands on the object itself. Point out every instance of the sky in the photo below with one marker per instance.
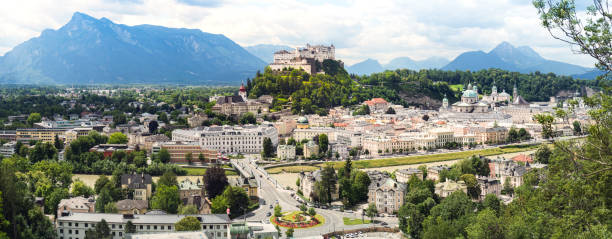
(360, 29)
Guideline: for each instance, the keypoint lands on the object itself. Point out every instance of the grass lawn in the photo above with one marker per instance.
(354, 221)
(292, 169)
(377, 163)
(202, 171)
(408, 160)
(457, 87)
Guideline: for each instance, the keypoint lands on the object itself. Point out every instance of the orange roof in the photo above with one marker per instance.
(522, 158)
(379, 100)
(340, 124)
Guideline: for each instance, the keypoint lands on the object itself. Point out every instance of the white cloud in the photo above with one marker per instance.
(360, 29)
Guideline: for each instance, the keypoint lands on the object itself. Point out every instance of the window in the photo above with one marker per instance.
(169, 227)
(113, 233)
(76, 224)
(224, 226)
(86, 225)
(69, 231)
(140, 227)
(148, 227)
(162, 227)
(76, 232)
(120, 226)
(120, 233)
(70, 224)
(61, 230)
(61, 223)
(155, 227)
(113, 226)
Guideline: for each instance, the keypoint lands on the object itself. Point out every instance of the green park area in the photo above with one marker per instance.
(193, 171)
(354, 221)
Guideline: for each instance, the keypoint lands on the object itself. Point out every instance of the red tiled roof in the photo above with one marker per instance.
(522, 158)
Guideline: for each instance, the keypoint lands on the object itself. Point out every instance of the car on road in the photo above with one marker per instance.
(384, 224)
(268, 214)
(323, 207)
(271, 206)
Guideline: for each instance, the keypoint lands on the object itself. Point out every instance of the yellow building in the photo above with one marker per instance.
(46, 135)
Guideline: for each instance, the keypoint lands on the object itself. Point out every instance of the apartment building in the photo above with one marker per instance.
(74, 226)
(179, 150)
(245, 139)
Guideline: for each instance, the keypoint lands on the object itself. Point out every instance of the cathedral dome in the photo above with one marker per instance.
(470, 94)
(302, 120)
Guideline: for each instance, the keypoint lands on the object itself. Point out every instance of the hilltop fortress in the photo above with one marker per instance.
(309, 58)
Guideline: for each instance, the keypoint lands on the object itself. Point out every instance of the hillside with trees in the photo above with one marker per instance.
(424, 88)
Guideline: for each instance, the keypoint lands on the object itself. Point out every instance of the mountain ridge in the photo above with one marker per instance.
(87, 50)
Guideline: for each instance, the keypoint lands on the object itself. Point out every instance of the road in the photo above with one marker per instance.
(270, 191)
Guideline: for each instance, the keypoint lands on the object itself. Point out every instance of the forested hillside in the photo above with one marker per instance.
(424, 88)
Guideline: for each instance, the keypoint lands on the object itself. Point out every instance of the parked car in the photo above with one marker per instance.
(268, 214)
(271, 206)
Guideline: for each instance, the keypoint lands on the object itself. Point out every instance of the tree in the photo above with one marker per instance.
(297, 182)
(289, 232)
(390, 111)
(215, 181)
(371, 211)
(33, 118)
(188, 223)
(103, 198)
(449, 218)
(187, 210)
(593, 38)
(523, 134)
(117, 138)
(493, 203)
(201, 158)
(473, 189)
(101, 231)
(312, 212)
(80, 189)
(163, 117)
(543, 154)
(577, 128)
(119, 118)
(486, 226)
(166, 198)
(248, 118)
(513, 135)
(189, 158)
(277, 211)
(164, 155)
(234, 198)
(546, 121)
(268, 148)
(323, 143)
(153, 125)
(57, 143)
(53, 200)
(303, 208)
(110, 207)
(168, 179)
(130, 228)
(100, 183)
(328, 183)
(425, 117)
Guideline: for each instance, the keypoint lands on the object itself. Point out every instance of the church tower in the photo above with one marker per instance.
(514, 92)
(242, 93)
(445, 102)
(494, 89)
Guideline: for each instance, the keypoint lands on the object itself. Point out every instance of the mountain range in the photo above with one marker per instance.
(265, 52)
(504, 56)
(97, 51)
(370, 66)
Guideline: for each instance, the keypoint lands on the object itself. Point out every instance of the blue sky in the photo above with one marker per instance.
(380, 29)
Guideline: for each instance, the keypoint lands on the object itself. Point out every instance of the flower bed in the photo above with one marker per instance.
(295, 220)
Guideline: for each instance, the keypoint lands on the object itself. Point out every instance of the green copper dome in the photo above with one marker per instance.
(470, 94)
(302, 120)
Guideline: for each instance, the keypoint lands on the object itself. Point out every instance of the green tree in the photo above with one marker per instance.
(103, 199)
(323, 143)
(33, 118)
(449, 218)
(268, 148)
(164, 155)
(57, 143)
(54, 199)
(110, 207)
(543, 154)
(168, 179)
(248, 118)
(312, 212)
(546, 121)
(201, 158)
(100, 183)
(277, 211)
(117, 138)
(166, 198)
(577, 128)
(473, 189)
(42, 151)
(390, 111)
(188, 223)
(486, 226)
(371, 211)
(215, 181)
(80, 189)
(234, 198)
(153, 125)
(328, 183)
(289, 232)
(163, 117)
(493, 203)
(130, 228)
(303, 208)
(189, 158)
(101, 231)
(187, 210)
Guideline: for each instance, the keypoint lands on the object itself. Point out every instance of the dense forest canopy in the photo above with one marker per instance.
(314, 94)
